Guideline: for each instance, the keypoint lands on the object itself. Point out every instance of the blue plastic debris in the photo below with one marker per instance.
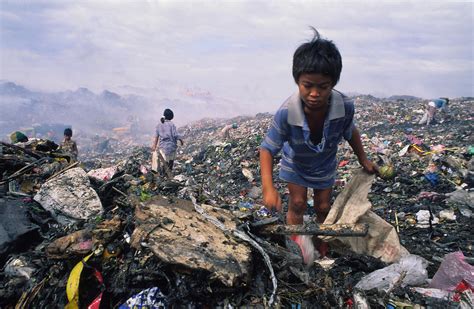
(432, 178)
(151, 298)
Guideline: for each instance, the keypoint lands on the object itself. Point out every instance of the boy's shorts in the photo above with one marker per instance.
(288, 174)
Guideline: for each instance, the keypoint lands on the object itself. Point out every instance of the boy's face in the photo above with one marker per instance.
(315, 90)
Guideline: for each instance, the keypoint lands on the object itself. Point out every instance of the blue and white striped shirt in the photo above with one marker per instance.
(304, 163)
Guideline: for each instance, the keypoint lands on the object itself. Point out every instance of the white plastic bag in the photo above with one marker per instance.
(412, 267)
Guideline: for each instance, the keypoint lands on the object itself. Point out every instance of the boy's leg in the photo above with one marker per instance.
(296, 210)
(170, 165)
(322, 199)
(296, 204)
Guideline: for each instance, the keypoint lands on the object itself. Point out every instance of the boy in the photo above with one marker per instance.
(68, 145)
(308, 127)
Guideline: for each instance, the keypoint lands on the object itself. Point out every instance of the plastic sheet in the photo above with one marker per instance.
(409, 271)
(453, 270)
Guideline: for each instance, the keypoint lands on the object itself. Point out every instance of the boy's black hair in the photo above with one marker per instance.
(68, 132)
(167, 114)
(318, 56)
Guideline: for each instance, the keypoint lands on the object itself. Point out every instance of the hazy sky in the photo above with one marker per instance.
(237, 49)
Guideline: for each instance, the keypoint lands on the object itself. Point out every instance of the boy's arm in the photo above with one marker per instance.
(271, 145)
(356, 145)
(271, 197)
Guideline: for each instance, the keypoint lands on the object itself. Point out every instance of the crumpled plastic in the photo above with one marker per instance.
(432, 178)
(462, 294)
(147, 299)
(104, 174)
(305, 242)
(462, 197)
(423, 219)
(453, 270)
(411, 270)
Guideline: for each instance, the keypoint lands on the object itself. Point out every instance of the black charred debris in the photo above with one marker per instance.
(143, 230)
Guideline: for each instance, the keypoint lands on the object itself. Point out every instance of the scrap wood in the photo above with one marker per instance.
(312, 228)
(27, 297)
(29, 152)
(244, 237)
(23, 170)
(20, 194)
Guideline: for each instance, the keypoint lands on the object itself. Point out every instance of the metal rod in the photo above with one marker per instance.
(311, 228)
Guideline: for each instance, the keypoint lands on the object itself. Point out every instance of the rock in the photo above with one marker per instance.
(69, 197)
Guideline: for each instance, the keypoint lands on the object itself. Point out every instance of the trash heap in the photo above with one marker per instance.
(107, 232)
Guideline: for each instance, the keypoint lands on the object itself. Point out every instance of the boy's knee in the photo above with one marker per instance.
(298, 205)
(323, 207)
(322, 211)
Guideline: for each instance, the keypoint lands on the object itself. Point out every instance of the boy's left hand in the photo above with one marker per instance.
(369, 166)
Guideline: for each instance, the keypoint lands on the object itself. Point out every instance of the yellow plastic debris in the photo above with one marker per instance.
(72, 287)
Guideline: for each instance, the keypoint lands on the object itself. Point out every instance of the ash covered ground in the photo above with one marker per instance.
(223, 172)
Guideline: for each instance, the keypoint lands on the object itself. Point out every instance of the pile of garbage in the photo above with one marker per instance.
(108, 232)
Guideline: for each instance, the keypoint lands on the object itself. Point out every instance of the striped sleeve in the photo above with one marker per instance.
(278, 132)
(349, 121)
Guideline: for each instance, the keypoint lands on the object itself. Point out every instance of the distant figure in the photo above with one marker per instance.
(226, 130)
(68, 145)
(18, 137)
(442, 104)
(166, 139)
(431, 109)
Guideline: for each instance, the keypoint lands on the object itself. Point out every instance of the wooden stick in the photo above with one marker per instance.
(63, 170)
(22, 170)
(118, 191)
(396, 222)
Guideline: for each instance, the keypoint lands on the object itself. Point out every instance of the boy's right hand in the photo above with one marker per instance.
(271, 199)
